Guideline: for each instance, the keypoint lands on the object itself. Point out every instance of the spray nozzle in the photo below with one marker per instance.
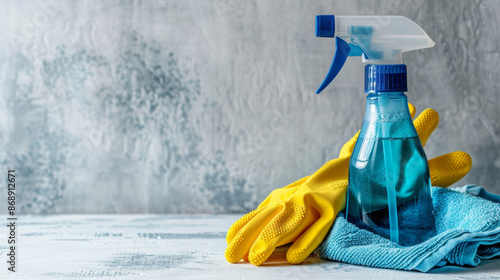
(377, 39)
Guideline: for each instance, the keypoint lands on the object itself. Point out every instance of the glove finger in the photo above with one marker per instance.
(283, 229)
(313, 236)
(245, 238)
(309, 240)
(447, 169)
(412, 110)
(240, 223)
(348, 147)
(425, 124)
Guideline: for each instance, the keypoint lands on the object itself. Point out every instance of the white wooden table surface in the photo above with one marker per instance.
(168, 247)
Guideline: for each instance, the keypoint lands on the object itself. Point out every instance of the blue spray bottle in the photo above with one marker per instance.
(389, 184)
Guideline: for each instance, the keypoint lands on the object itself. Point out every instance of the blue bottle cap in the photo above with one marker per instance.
(385, 78)
(325, 26)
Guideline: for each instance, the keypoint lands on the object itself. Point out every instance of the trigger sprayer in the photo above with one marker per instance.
(389, 184)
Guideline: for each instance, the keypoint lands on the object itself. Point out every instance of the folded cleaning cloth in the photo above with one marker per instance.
(467, 231)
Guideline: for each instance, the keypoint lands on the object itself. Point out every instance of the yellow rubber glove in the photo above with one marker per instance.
(305, 210)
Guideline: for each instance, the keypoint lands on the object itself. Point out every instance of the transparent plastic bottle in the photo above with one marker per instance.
(389, 184)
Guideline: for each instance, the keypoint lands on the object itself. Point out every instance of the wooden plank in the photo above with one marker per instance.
(169, 247)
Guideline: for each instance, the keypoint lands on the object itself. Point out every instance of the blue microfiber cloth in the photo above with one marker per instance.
(467, 231)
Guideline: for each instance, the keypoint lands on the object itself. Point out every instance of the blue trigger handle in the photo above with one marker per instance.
(342, 50)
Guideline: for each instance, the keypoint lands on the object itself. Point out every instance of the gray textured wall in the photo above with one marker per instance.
(206, 106)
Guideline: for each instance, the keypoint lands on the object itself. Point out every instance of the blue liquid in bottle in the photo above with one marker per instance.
(389, 184)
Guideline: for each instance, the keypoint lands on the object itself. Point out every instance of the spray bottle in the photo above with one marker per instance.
(389, 184)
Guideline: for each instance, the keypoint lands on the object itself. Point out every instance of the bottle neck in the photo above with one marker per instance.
(382, 103)
(387, 115)
(392, 94)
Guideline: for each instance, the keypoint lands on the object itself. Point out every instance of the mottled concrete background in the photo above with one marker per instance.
(206, 106)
